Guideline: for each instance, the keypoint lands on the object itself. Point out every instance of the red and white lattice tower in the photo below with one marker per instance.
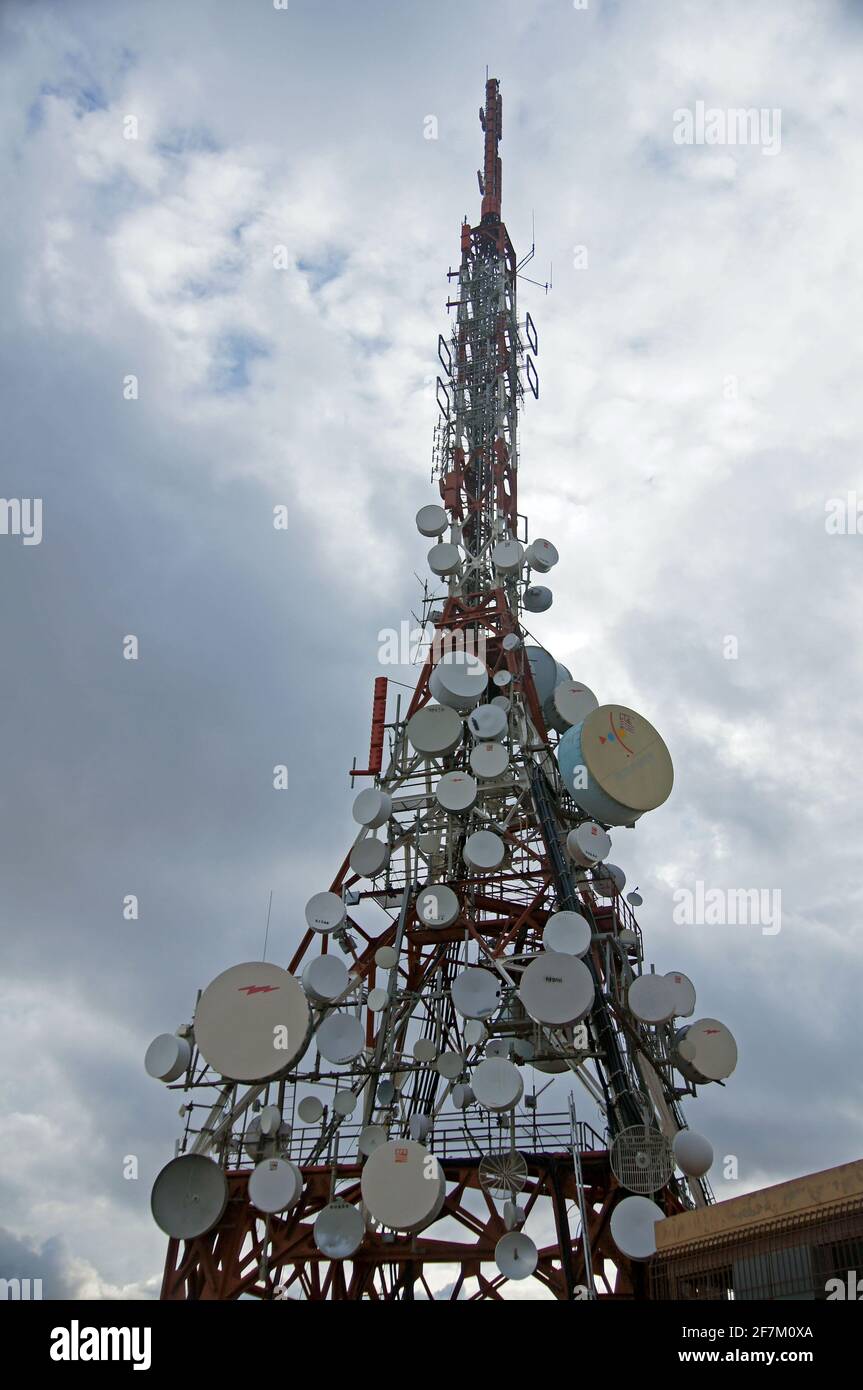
(465, 1076)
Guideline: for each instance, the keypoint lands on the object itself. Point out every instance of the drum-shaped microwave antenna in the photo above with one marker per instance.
(432, 521)
(372, 808)
(556, 990)
(168, 1057)
(693, 1153)
(623, 761)
(476, 992)
(434, 730)
(275, 1184)
(437, 905)
(683, 994)
(588, 844)
(459, 680)
(325, 912)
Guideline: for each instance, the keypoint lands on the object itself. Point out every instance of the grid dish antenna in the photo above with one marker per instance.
(504, 1173)
(642, 1160)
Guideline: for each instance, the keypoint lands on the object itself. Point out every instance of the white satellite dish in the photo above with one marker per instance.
(651, 999)
(372, 808)
(501, 702)
(325, 979)
(476, 993)
(627, 765)
(386, 1092)
(489, 761)
(507, 556)
(450, 1065)
(538, 598)
(556, 989)
(705, 1051)
(462, 1096)
(511, 642)
(369, 857)
(444, 558)
(634, 898)
(424, 1049)
(252, 1021)
(456, 792)
(497, 1084)
(516, 1255)
(502, 679)
(371, 1138)
(437, 905)
(403, 1185)
(544, 669)
(325, 912)
(339, 1230)
(275, 1184)
(434, 731)
(693, 1154)
(487, 723)
(340, 1039)
(683, 993)
(432, 520)
(167, 1057)
(344, 1103)
(474, 1033)
(418, 1128)
(609, 881)
(568, 704)
(498, 1047)
(189, 1196)
(588, 844)
(459, 680)
(568, 933)
(541, 555)
(484, 850)
(386, 957)
(377, 1000)
(310, 1110)
(633, 1224)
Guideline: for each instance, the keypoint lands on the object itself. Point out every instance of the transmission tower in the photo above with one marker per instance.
(467, 1075)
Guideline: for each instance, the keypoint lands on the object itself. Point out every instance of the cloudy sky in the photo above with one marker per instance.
(239, 207)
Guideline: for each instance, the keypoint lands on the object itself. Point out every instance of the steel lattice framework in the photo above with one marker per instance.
(561, 1169)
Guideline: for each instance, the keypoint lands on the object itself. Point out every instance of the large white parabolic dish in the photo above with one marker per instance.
(252, 1021)
(403, 1185)
(189, 1196)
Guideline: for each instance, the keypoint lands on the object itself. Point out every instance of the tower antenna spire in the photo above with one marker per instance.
(490, 118)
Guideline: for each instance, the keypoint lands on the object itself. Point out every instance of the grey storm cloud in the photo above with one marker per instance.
(267, 258)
